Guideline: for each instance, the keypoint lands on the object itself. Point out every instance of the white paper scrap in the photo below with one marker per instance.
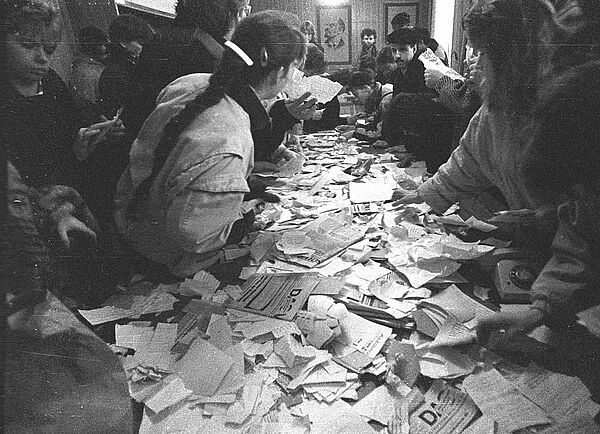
(500, 400)
(203, 367)
(377, 405)
(172, 392)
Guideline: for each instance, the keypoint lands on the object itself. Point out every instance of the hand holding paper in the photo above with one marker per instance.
(300, 106)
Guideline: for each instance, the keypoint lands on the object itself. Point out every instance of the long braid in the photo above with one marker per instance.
(262, 31)
(214, 92)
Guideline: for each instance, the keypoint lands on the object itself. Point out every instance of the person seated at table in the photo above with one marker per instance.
(372, 95)
(513, 40)
(422, 126)
(563, 160)
(409, 76)
(181, 199)
(128, 34)
(89, 64)
(326, 116)
(425, 41)
(41, 119)
(103, 167)
(458, 95)
(386, 64)
(42, 130)
(58, 375)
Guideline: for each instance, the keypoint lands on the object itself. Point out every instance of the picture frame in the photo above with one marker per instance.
(392, 9)
(334, 33)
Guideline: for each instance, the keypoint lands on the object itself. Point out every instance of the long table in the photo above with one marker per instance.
(300, 327)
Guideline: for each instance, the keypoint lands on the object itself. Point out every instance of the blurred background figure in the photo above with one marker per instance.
(425, 41)
(385, 64)
(368, 53)
(308, 28)
(128, 34)
(400, 21)
(89, 64)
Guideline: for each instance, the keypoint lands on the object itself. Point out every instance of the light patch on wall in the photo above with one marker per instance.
(443, 23)
(332, 2)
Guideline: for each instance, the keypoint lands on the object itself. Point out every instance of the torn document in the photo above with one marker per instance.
(501, 401)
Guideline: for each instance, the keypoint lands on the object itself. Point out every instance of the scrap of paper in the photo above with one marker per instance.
(321, 88)
(362, 192)
(377, 405)
(452, 299)
(173, 391)
(106, 314)
(452, 332)
(131, 336)
(501, 401)
(431, 61)
(203, 367)
(445, 362)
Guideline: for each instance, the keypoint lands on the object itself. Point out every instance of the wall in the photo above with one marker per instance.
(365, 13)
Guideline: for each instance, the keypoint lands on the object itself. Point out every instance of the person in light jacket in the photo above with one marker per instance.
(181, 199)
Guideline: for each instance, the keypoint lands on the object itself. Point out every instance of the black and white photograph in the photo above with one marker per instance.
(300, 216)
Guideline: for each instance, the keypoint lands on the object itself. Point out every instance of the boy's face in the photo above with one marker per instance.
(368, 40)
(404, 53)
(28, 54)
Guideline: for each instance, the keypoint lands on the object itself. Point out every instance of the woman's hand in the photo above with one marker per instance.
(282, 153)
(406, 197)
(89, 138)
(475, 78)
(302, 108)
(264, 167)
(318, 115)
(66, 222)
(514, 324)
(116, 132)
(432, 76)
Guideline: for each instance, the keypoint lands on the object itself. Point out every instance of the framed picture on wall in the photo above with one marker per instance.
(393, 9)
(334, 30)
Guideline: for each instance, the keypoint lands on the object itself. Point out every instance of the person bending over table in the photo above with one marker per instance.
(563, 159)
(326, 116)
(181, 199)
(512, 38)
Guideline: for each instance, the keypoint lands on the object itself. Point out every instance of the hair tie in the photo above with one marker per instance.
(239, 52)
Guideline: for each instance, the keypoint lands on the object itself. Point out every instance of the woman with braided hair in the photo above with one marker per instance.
(181, 199)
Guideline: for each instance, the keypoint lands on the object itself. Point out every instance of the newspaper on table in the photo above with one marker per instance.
(326, 237)
(445, 410)
(431, 61)
(278, 295)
